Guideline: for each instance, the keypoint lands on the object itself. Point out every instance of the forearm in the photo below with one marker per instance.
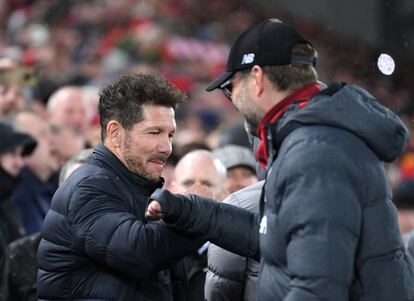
(119, 241)
(227, 226)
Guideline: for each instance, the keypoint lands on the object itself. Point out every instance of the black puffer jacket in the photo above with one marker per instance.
(329, 230)
(96, 244)
(18, 270)
(230, 276)
(11, 224)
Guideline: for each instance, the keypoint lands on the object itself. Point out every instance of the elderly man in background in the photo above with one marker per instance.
(66, 142)
(200, 167)
(66, 106)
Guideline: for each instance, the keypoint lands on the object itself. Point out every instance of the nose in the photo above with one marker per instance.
(165, 145)
(19, 162)
(78, 120)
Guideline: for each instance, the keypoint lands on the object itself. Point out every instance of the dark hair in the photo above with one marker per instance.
(122, 100)
(294, 76)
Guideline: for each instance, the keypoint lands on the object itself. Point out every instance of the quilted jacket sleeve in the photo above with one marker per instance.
(104, 229)
(227, 226)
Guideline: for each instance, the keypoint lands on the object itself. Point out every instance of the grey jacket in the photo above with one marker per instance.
(328, 228)
(230, 276)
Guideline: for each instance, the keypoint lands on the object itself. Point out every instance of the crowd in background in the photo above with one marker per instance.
(74, 47)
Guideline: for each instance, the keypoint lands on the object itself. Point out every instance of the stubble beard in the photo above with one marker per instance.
(250, 112)
(134, 163)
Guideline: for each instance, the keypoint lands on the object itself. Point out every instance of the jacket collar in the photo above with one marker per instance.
(109, 160)
(301, 96)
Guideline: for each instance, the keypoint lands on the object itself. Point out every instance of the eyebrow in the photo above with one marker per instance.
(158, 128)
(207, 183)
(188, 182)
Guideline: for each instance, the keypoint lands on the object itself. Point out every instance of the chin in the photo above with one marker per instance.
(155, 177)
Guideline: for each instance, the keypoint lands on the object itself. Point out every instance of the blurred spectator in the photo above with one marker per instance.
(74, 162)
(18, 266)
(240, 164)
(234, 133)
(200, 167)
(11, 97)
(179, 151)
(72, 42)
(13, 147)
(66, 142)
(93, 129)
(66, 106)
(93, 134)
(41, 94)
(18, 270)
(404, 201)
(36, 187)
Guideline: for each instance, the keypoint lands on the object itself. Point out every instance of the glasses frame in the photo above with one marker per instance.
(227, 86)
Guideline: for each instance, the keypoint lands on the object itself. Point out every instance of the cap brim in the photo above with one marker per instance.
(26, 141)
(219, 81)
(29, 147)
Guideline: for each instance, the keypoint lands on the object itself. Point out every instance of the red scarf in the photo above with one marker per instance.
(301, 95)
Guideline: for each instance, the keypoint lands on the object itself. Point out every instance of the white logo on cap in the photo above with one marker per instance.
(248, 58)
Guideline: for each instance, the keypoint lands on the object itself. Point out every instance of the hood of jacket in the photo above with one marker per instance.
(351, 108)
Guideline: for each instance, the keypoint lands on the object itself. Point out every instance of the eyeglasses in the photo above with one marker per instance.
(227, 88)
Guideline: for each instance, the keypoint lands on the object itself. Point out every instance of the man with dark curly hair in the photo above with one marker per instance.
(96, 243)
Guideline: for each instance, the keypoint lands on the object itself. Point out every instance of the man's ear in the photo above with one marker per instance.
(115, 133)
(257, 75)
(173, 187)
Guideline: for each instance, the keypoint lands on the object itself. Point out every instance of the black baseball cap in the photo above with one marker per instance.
(268, 43)
(11, 139)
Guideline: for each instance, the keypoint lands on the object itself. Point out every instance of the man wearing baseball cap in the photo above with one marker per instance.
(327, 229)
(14, 146)
(240, 165)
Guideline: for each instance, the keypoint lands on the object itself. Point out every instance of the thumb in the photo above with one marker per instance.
(154, 207)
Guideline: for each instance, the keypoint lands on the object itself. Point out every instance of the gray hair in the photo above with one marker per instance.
(80, 158)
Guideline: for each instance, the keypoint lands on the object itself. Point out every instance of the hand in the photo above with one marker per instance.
(200, 190)
(154, 211)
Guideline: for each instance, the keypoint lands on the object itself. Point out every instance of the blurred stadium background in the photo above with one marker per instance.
(88, 43)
